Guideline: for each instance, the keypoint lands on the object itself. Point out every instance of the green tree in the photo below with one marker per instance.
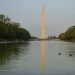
(11, 30)
(70, 33)
(23, 34)
(61, 36)
(4, 19)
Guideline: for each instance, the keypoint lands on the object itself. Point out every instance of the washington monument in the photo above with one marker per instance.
(43, 36)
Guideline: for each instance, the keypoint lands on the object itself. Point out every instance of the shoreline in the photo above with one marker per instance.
(6, 42)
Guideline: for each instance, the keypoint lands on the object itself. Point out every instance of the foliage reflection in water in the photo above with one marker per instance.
(70, 50)
(9, 53)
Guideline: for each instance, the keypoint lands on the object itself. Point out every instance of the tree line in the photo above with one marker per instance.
(10, 30)
(69, 34)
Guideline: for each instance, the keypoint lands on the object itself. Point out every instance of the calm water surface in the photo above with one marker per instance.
(26, 58)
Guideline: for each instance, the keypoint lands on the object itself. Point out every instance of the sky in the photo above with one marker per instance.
(59, 14)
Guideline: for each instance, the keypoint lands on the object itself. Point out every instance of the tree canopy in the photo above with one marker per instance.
(69, 34)
(10, 30)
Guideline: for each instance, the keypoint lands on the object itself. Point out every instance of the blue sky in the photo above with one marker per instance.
(59, 14)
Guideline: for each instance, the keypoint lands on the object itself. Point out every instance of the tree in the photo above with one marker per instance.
(69, 34)
(61, 36)
(23, 34)
(11, 30)
(4, 19)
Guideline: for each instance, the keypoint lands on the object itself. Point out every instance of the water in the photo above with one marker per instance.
(26, 58)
